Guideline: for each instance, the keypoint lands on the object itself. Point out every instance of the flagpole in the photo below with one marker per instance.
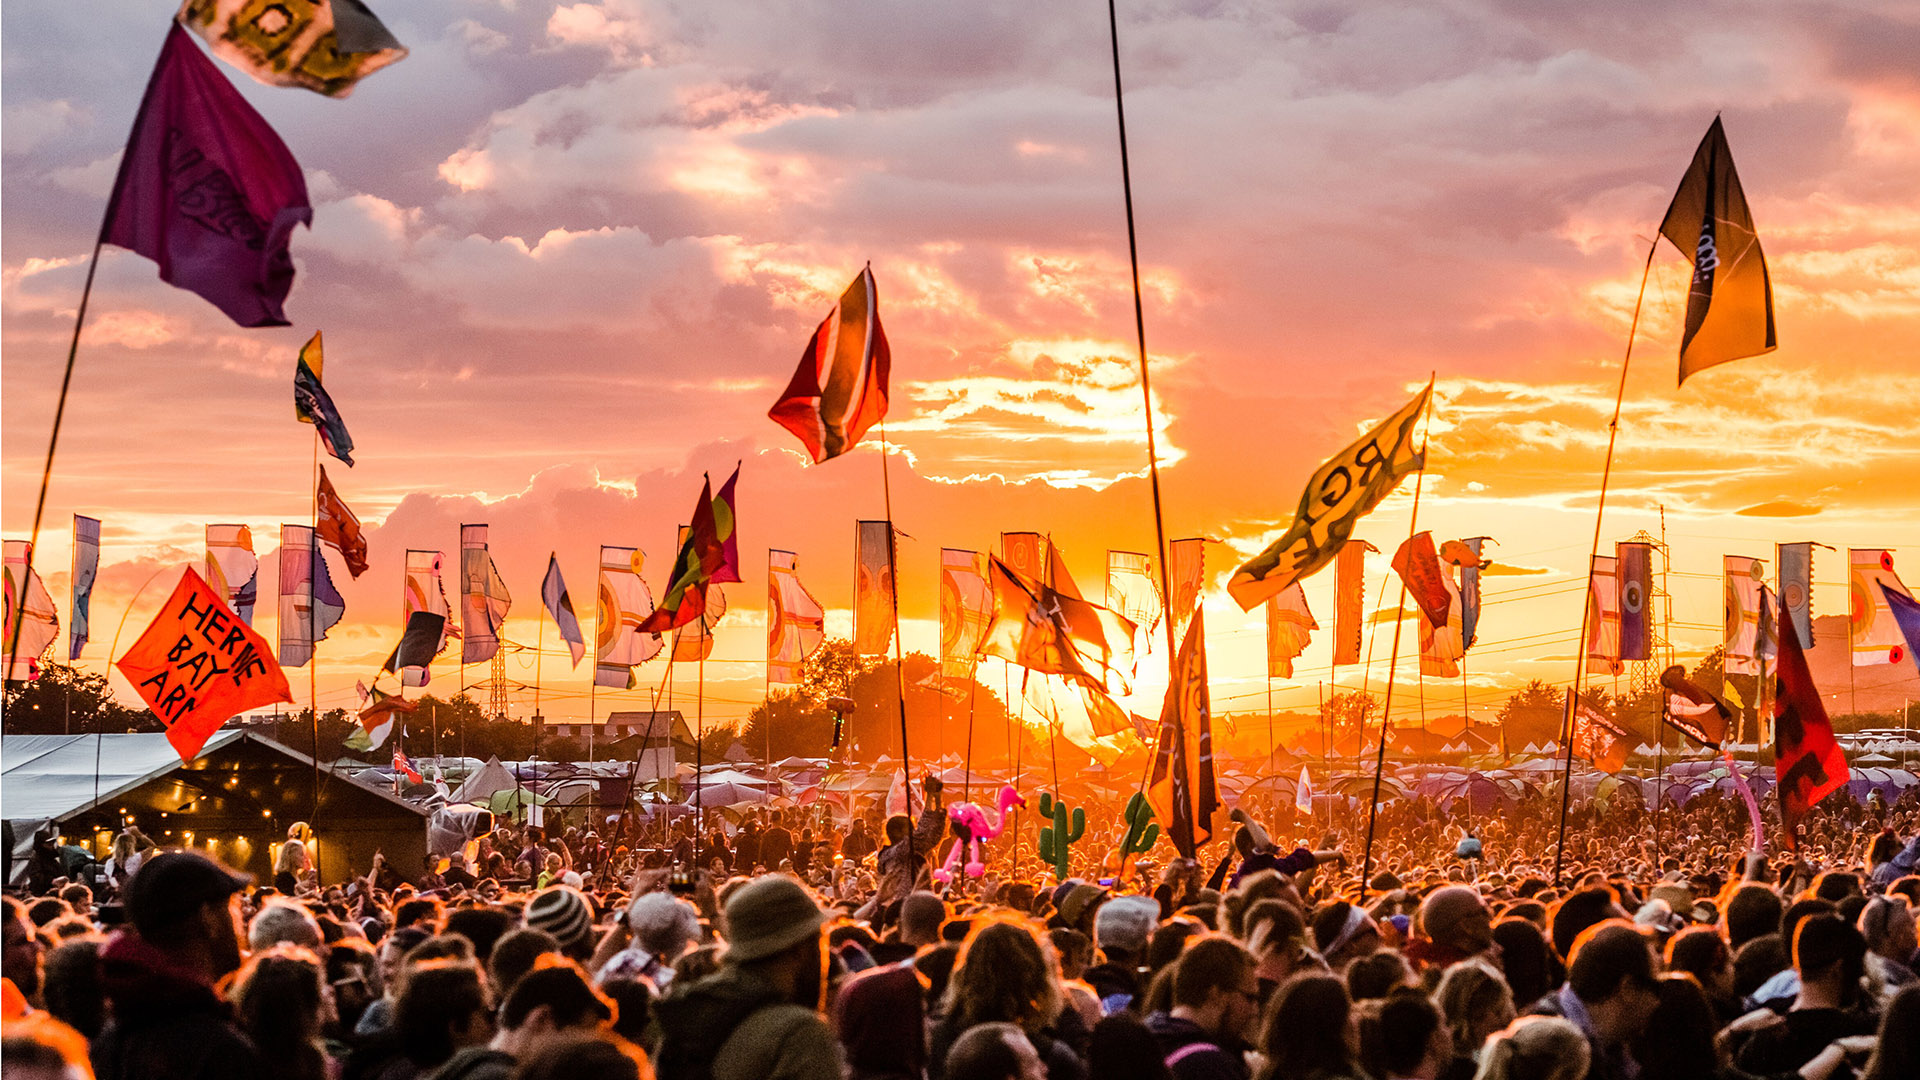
(313, 643)
(1393, 664)
(699, 738)
(899, 672)
(973, 692)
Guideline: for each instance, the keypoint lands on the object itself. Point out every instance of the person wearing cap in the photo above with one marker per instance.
(168, 1021)
(759, 1016)
(1120, 932)
(657, 928)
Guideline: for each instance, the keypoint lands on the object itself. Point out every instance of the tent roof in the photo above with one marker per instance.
(47, 777)
(655, 724)
(490, 778)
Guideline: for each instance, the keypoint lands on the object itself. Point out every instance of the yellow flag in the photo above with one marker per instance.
(1730, 305)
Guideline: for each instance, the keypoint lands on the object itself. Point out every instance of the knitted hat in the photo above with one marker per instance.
(769, 914)
(560, 910)
(1442, 912)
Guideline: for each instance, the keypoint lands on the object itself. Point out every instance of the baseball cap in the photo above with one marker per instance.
(170, 887)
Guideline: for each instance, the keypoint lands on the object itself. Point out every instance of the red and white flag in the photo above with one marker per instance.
(840, 388)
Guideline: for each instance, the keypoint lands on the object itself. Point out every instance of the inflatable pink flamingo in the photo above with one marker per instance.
(974, 824)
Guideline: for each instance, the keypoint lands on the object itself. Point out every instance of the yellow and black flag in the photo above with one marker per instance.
(1730, 306)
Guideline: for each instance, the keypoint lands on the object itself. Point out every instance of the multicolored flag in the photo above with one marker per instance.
(1603, 617)
(709, 553)
(325, 46)
(1341, 490)
(693, 641)
(796, 623)
(1133, 591)
(1906, 615)
(483, 598)
(1808, 762)
(1180, 786)
(425, 635)
(1025, 552)
(313, 405)
(553, 593)
(1693, 710)
(232, 568)
(1730, 305)
(1419, 566)
(1466, 554)
(625, 604)
(966, 611)
(309, 604)
(1635, 562)
(1044, 630)
(840, 388)
(86, 566)
(1187, 570)
(338, 526)
(1290, 627)
(1740, 606)
(1793, 563)
(423, 591)
(197, 665)
(1349, 599)
(1442, 646)
(403, 765)
(1876, 636)
(377, 717)
(208, 191)
(873, 587)
(1599, 740)
(31, 625)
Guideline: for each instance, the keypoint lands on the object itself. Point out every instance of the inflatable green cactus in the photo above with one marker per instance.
(1056, 839)
(1141, 831)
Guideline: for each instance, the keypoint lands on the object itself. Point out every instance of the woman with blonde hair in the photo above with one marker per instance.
(1536, 1048)
(1474, 998)
(1005, 972)
(295, 861)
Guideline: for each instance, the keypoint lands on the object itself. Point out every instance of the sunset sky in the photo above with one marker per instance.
(566, 256)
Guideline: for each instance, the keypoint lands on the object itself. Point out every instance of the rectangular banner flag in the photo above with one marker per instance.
(1058, 577)
(1693, 710)
(338, 526)
(198, 666)
(86, 566)
(313, 405)
(966, 610)
(840, 388)
(1598, 739)
(324, 47)
(31, 626)
(423, 591)
(425, 635)
(1026, 553)
(873, 587)
(1635, 562)
(1133, 590)
(1045, 631)
(1341, 490)
(1730, 304)
(708, 553)
(208, 191)
(1180, 786)
(624, 605)
(1465, 554)
(1290, 627)
(483, 598)
(309, 604)
(553, 594)
(1740, 608)
(1875, 634)
(1419, 566)
(1349, 599)
(1442, 646)
(1793, 567)
(232, 568)
(1603, 617)
(1808, 761)
(796, 623)
(1187, 577)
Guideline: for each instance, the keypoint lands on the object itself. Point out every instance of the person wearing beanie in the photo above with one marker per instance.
(1453, 925)
(657, 929)
(1120, 931)
(563, 911)
(759, 1016)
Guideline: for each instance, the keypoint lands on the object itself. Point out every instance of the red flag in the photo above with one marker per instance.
(208, 191)
(709, 553)
(403, 764)
(1419, 566)
(198, 665)
(840, 388)
(1807, 759)
(338, 526)
(1349, 599)
(1598, 739)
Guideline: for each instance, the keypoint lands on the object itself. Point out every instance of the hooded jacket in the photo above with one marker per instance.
(168, 1024)
(735, 1025)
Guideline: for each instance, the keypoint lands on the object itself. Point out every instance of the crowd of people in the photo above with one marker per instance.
(1660, 946)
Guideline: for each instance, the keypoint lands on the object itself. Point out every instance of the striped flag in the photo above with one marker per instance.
(840, 388)
(553, 593)
(309, 604)
(86, 565)
(1740, 607)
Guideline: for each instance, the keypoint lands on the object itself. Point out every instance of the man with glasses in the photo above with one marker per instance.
(1216, 1001)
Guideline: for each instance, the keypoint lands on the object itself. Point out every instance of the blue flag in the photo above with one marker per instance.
(1906, 612)
(312, 404)
(553, 593)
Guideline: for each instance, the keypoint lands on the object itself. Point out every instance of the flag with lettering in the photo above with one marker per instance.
(197, 666)
(1693, 710)
(1876, 636)
(1598, 739)
(1808, 762)
(309, 603)
(313, 405)
(872, 587)
(1730, 303)
(208, 191)
(31, 625)
(1349, 599)
(483, 598)
(1290, 626)
(424, 591)
(1793, 567)
(1635, 563)
(1180, 784)
(338, 525)
(840, 387)
(322, 45)
(1339, 493)
(86, 566)
(796, 623)
(553, 593)
(232, 568)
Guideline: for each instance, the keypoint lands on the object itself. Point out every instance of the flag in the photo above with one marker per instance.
(232, 569)
(483, 598)
(425, 635)
(1603, 617)
(1059, 578)
(1419, 566)
(324, 46)
(423, 592)
(620, 643)
(1187, 566)
(1349, 599)
(1303, 792)
(403, 765)
(708, 553)
(1598, 739)
(1693, 710)
(1465, 554)
(966, 610)
(1740, 610)
(197, 665)
(1341, 490)
(796, 623)
(208, 191)
(840, 388)
(1635, 563)
(1730, 304)
(1025, 552)
(1133, 591)
(313, 405)
(31, 625)
(553, 593)
(86, 566)
(309, 604)
(694, 641)
(1906, 615)
(377, 717)
(1442, 646)
(1042, 630)
(1808, 763)
(873, 587)
(1875, 634)
(1181, 784)
(1290, 627)
(1793, 563)
(338, 526)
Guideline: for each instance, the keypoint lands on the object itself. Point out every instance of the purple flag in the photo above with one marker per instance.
(208, 191)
